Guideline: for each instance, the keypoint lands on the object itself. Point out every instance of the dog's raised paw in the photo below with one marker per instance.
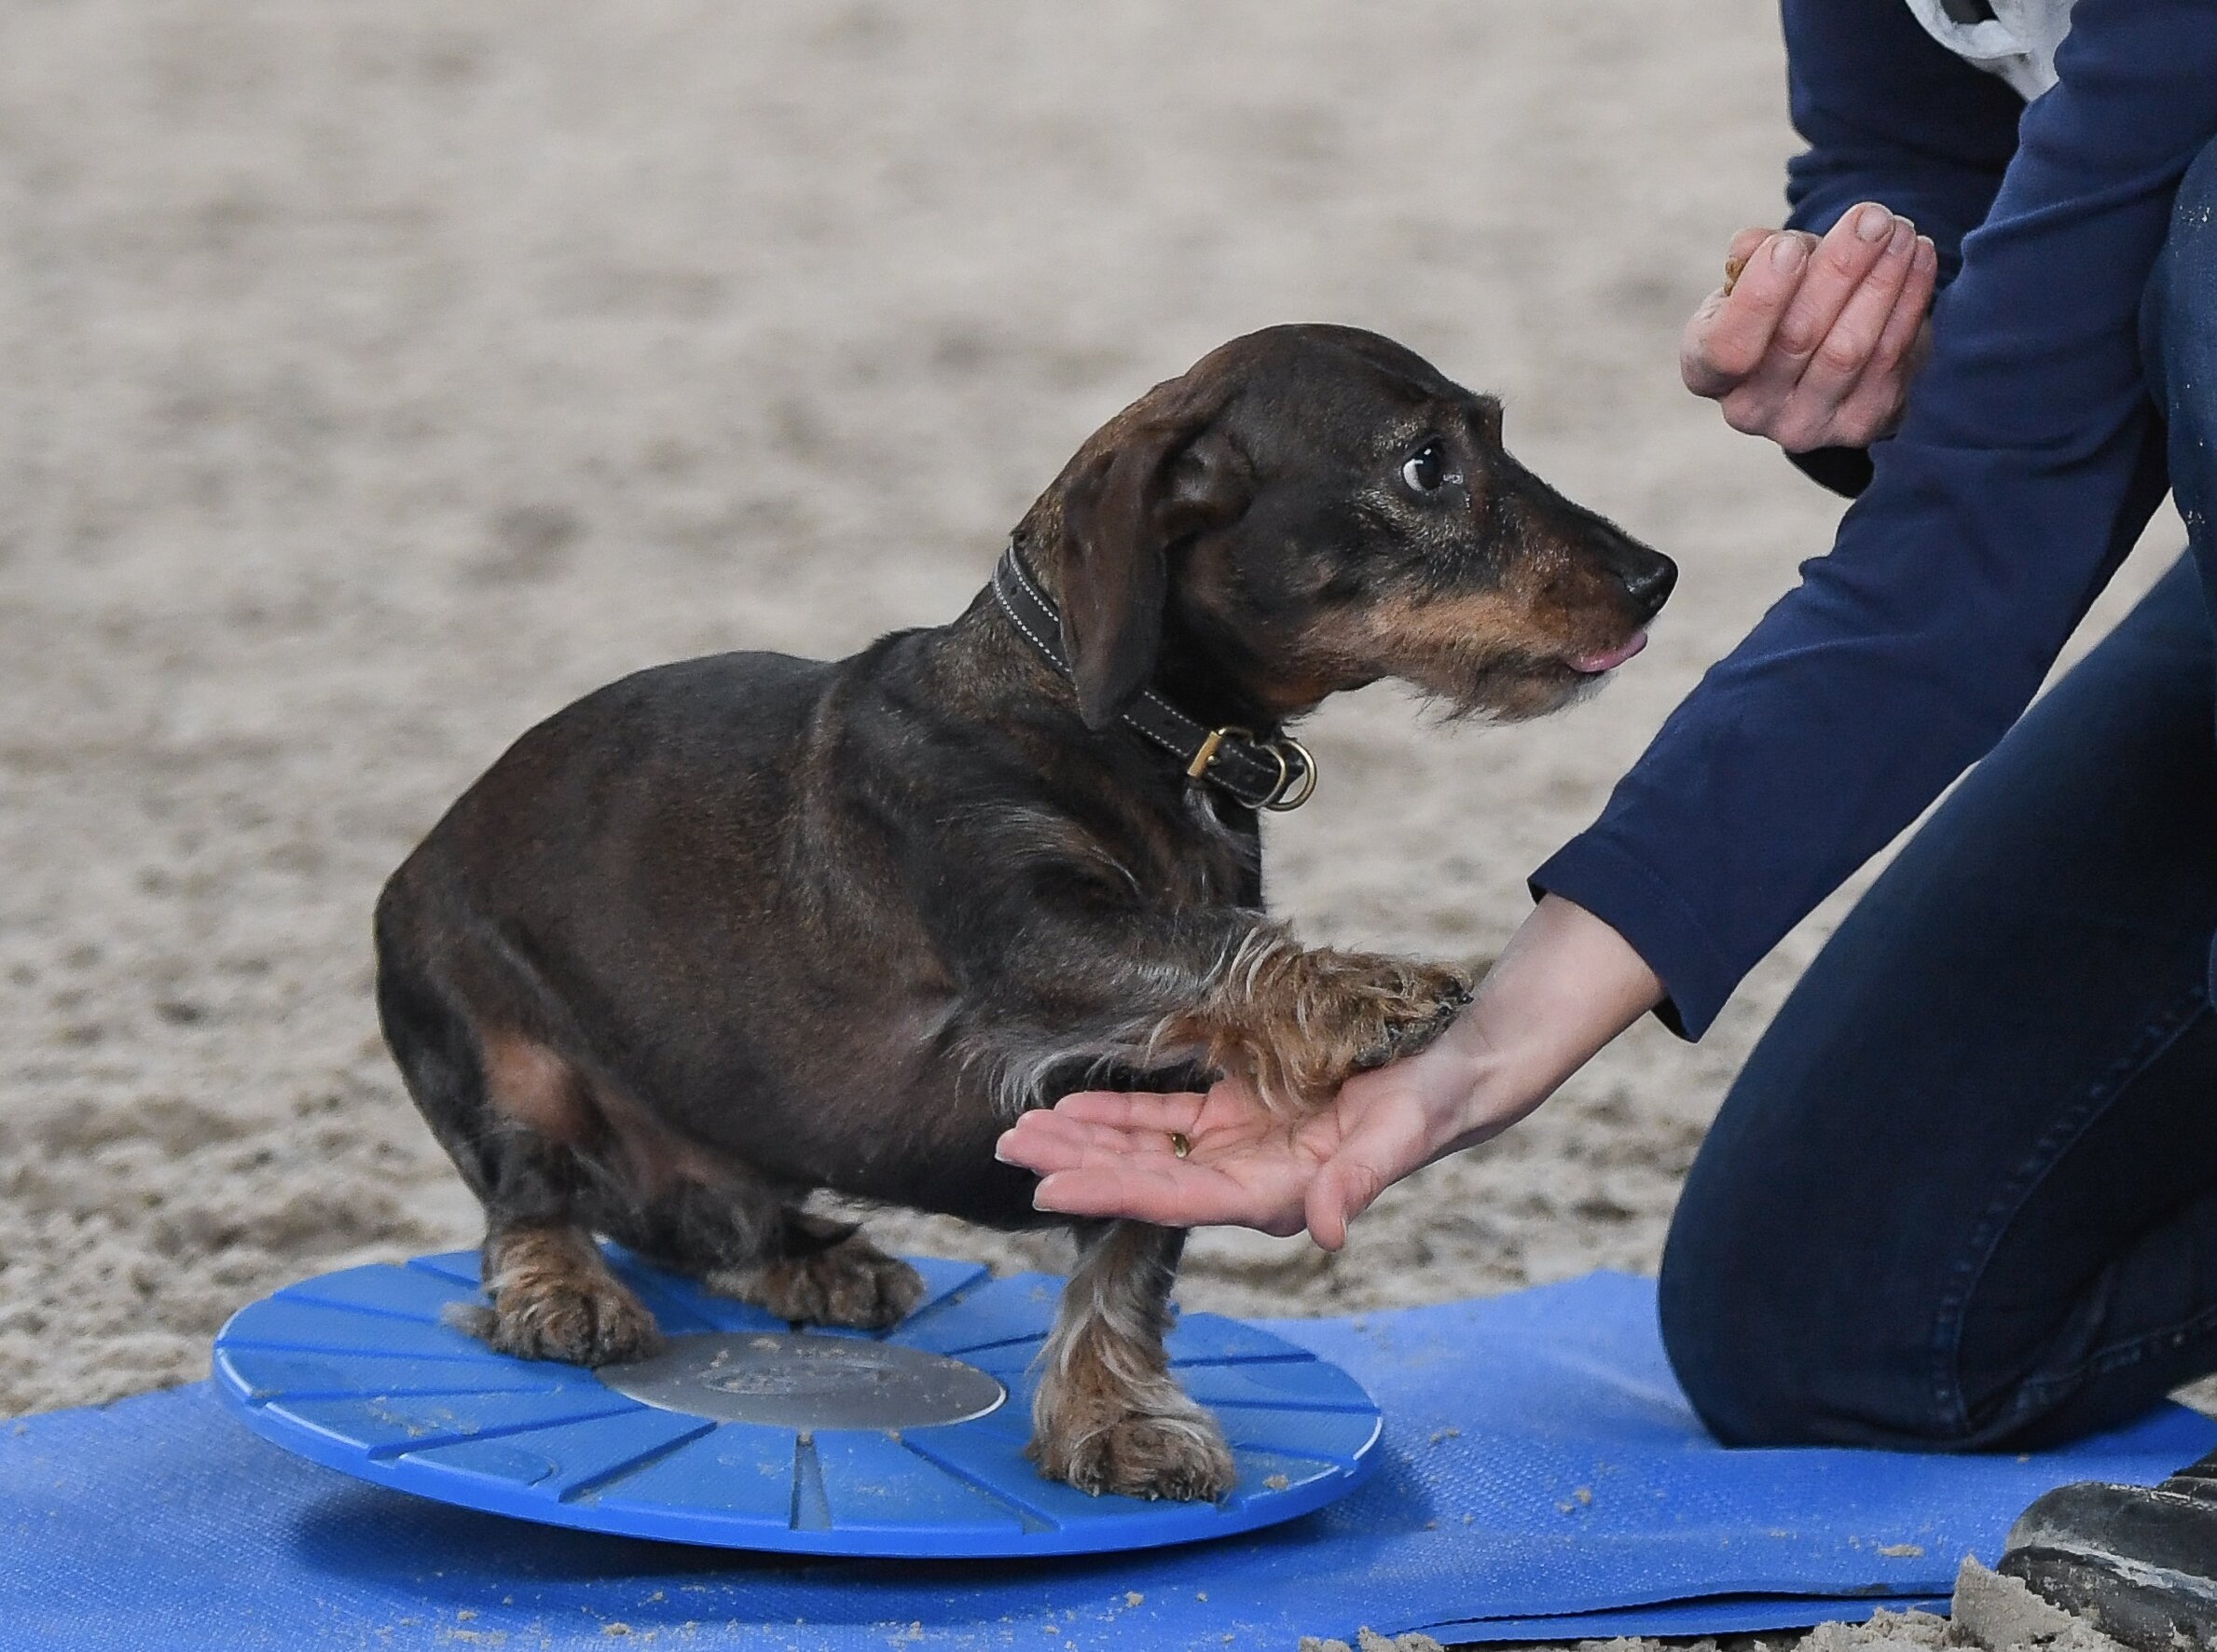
(1180, 1459)
(1409, 1018)
(1311, 1020)
(853, 1284)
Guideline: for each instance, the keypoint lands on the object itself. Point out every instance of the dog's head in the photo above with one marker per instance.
(1311, 508)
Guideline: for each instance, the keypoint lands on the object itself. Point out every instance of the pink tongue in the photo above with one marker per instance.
(1594, 664)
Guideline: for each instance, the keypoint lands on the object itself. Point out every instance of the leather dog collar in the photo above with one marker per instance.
(1264, 772)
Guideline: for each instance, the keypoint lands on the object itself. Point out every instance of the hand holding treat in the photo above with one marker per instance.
(1813, 343)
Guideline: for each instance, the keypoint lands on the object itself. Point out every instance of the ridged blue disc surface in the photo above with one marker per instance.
(359, 1371)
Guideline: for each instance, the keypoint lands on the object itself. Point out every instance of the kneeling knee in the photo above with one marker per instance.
(2194, 210)
(1796, 1366)
(1726, 1358)
(2183, 293)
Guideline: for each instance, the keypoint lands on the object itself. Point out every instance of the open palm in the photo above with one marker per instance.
(1566, 984)
(1116, 1154)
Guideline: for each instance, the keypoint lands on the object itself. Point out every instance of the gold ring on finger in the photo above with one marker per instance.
(1178, 1144)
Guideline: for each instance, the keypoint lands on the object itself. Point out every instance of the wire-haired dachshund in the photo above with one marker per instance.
(732, 930)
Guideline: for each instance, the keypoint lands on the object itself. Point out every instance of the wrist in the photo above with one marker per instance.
(1566, 986)
(1483, 1085)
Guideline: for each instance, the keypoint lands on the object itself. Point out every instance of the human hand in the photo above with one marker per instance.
(1566, 986)
(1119, 1153)
(1813, 343)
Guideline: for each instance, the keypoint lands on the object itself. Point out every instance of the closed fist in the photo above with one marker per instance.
(1813, 343)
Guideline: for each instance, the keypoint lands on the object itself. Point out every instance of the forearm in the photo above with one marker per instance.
(1899, 660)
(1566, 984)
(2024, 467)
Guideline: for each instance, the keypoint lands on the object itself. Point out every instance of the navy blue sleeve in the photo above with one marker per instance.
(1892, 115)
(2026, 464)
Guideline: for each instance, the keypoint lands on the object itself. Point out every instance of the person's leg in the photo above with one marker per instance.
(1964, 1193)
(2179, 348)
(2140, 1560)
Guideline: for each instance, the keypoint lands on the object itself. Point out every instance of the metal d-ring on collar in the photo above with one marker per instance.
(1272, 772)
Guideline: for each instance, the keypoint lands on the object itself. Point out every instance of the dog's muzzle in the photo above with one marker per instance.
(1273, 771)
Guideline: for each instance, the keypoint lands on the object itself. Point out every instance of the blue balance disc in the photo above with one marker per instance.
(749, 1433)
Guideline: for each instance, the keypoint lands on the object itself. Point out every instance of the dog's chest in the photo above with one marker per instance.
(1199, 854)
(1231, 849)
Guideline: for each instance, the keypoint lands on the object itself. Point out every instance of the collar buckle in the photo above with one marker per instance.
(1296, 769)
(1206, 757)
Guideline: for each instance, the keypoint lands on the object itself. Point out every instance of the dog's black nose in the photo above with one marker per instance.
(1648, 577)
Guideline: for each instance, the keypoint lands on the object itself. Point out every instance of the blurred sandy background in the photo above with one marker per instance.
(376, 376)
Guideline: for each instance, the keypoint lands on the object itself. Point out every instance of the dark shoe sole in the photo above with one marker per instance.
(2140, 1564)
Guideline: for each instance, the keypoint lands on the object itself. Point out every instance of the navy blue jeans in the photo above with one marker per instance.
(1965, 1193)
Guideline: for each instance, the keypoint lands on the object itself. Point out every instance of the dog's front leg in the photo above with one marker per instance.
(1108, 1417)
(1299, 1022)
(1229, 990)
(1067, 991)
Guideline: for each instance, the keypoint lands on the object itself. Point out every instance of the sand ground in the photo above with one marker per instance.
(380, 376)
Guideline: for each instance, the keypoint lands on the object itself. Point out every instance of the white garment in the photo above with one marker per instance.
(2018, 42)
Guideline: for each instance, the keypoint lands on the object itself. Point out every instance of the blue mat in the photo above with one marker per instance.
(1542, 1478)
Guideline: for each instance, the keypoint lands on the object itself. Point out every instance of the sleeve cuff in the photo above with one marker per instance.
(1847, 471)
(1598, 874)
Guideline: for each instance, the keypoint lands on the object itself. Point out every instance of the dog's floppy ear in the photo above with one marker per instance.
(1160, 475)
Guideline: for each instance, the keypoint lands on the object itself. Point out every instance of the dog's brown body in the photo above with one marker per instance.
(734, 930)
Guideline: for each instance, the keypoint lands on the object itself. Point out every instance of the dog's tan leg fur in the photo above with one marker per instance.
(852, 1283)
(554, 1297)
(1108, 1417)
(1298, 1023)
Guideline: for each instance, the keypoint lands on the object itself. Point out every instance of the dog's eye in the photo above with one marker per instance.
(1426, 468)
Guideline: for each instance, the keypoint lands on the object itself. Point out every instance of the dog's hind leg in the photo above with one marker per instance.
(491, 1099)
(827, 1272)
(554, 1295)
(1108, 1415)
(741, 1239)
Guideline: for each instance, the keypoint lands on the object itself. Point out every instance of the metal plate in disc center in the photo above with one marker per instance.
(790, 1380)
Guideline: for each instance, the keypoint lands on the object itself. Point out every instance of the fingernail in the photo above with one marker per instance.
(1786, 252)
(1873, 223)
(1039, 1195)
(1926, 251)
(1905, 237)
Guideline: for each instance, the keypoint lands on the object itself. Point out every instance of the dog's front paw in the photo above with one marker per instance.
(852, 1283)
(1178, 1455)
(574, 1318)
(1408, 1005)
(1336, 1013)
